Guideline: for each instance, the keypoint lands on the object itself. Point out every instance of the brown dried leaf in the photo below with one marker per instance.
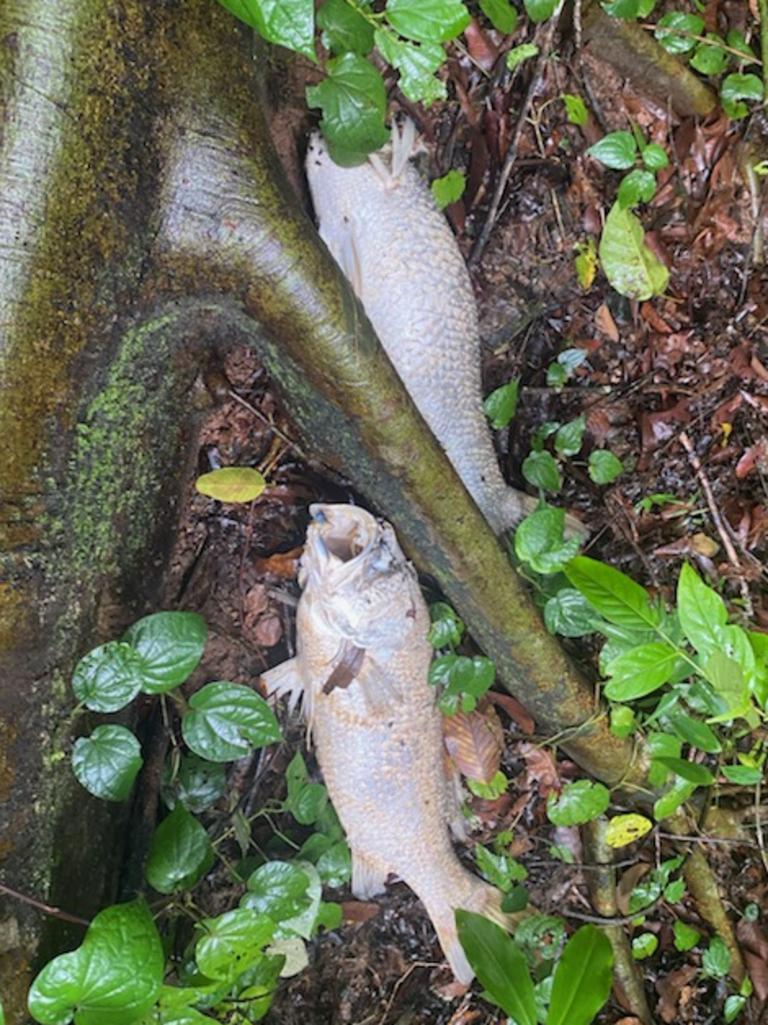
(754, 457)
(541, 768)
(674, 991)
(480, 45)
(627, 882)
(475, 741)
(267, 630)
(514, 710)
(359, 911)
(754, 946)
(604, 322)
(659, 427)
(255, 601)
(281, 565)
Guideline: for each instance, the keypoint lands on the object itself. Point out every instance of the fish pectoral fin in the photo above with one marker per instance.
(345, 668)
(368, 876)
(284, 681)
(340, 239)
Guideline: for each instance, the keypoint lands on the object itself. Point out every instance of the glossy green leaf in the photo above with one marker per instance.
(541, 470)
(198, 784)
(639, 186)
(686, 937)
(278, 889)
(630, 266)
(612, 593)
(448, 189)
(569, 614)
(716, 959)
(695, 732)
(583, 978)
(575, 109)
(578, 803)
(289, 23)
(501, 14)
(676, 30)
(736, 88)
(180, 852)
(518, 54)
(353, 100)
(654, 157)
(644, 945)
(670, 801)
(232, 942)
(107, 762)
(501, 405)
(539, 10)
(234, 484)
(743, 775)
(690, 771)
(640, 671)
(428, 21)
(226, 721)
(344, 29)
(701, 611)
(417, 64)
(711, 57)
(539, 541)
(335, 864)
(171, 645)
(616, 150)
(623, 722)
(113, 978)
(499, 964)
(570, 435)
(604, 467)
(502, 870)
(446, 629)
(108, 678)
(733, 1006)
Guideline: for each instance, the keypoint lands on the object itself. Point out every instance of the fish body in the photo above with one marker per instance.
(383, 229)
(361, 671)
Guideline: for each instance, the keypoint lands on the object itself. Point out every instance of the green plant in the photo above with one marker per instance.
(461, 680)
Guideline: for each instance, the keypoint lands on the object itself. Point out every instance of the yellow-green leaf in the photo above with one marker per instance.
(231, 484)
(625, 829)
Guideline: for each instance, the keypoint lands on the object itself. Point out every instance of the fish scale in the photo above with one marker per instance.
(381, 225)
(378, 734)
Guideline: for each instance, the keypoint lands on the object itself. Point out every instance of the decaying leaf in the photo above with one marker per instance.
(475, 741)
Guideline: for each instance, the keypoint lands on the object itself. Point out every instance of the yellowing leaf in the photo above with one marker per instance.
(585, 263)
(625, 829)
(231, 484)
(630, 266)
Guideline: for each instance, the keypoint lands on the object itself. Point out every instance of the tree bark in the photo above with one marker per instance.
(144, 220)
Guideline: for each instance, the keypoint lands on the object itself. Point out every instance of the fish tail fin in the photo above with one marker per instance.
(515, 505)
(484, 900)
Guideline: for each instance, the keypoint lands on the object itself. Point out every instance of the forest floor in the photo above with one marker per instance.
(676, 388)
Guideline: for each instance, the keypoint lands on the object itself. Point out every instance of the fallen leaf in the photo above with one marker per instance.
(724, 412)
(359, 911)
(540, 767)
(754, 457)
(255, 601)
(754, 946)
(514, 710)
(604, 322)
(674, 991)
(656, 428)
(654, 319)
(475, 741)
(267, 630)
(480, 46)
(627, 882)
(283, 565)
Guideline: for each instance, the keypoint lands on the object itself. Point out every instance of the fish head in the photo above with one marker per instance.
(358, 580)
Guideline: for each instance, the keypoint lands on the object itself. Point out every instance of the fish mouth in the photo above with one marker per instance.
(343, 532)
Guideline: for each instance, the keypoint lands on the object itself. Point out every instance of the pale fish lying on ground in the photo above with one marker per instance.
(361, 671)
(382, 227)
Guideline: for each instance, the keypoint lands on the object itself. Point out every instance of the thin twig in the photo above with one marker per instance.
(48, 909)
(266, 420)
(722, 527)
(511, 155)
(759, 826)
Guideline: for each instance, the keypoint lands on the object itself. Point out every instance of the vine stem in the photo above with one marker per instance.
(762, 6)
(48, 909)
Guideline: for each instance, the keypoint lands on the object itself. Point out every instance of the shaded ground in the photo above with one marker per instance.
(692, 365)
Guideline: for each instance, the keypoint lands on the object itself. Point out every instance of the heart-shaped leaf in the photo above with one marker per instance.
(170, 644)
(226, 721)
(106, 763)
(180, 852)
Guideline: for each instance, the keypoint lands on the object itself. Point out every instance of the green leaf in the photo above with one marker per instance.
(736, 88)
(690, 771)
(710, 58)
(539, 541)
(727, 680)
(417, 63)
(108, 678)
(278, 889)
(644, 945)
(113, 978)
(499, 965)
(623, 722)
(335, 864)
(616, 150)
(716, 959)
(578, 803)
(501, 405)
(627, 10)
(353, 101)
(541, 470)
(575, 109)
(289, 23)
(309, 803)
(428, 21)
(569, 437)
(226, 721)
(107, 762)
(502, 870)
(518, 54)
(501, 14)
(604, 466)
(460, 674)
(171, 645)
(232, 942)
(695, 732)
(569, 614)
(515, 900)
(733, 1006)
(742, 775)
(630, 266)
(198, 784)
(447, 628)
(448, 189)
(670, 801)
(654, 157)
(701, 611)
(686, 937)
(180, 852)
(612, 593)
(489, 791)
(641, 671)
(539, 10)
(231, 484)
(676, 29)
(675, 891)
(636, 187)
(344, 29)
(583, 978)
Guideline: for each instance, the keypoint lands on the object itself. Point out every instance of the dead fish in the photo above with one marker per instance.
(383, 229)
(361, 673)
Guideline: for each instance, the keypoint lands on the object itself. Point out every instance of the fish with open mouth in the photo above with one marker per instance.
(361, 672)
